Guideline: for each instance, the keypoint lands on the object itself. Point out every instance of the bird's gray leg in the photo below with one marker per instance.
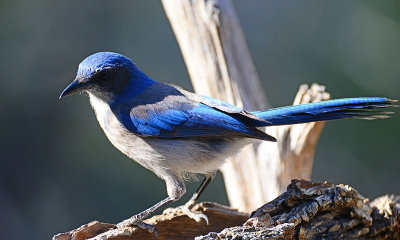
(186, 208)
(207, 179)
(138, 218)
(176, 189)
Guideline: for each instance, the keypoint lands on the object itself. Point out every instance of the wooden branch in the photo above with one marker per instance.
(292, 156)
(307, 210)
(172, 224)
(219, 64)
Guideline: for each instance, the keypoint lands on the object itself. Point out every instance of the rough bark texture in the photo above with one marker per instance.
(219, 64)
(308, 210)
(319, 210)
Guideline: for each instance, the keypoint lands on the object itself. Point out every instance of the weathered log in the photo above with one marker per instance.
(319, 210)
(172, 224)
(220, 66)
(307, 210)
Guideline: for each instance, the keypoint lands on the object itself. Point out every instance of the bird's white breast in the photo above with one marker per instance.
(128, 143)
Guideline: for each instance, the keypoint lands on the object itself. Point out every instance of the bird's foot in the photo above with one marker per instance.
(186, 209)
(196, 215)
(134, 221)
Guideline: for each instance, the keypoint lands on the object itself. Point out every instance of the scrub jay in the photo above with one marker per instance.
(173, 132)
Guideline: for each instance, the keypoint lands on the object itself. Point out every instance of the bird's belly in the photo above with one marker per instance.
(175, 155)
(193, 155)
(184, 155)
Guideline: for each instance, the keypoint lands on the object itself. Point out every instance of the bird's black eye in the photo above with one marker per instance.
(102, 74)
(110, 79)
(103, 77)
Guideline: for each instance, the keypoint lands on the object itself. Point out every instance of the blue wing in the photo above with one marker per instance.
(200, 121)
(163, 111)
(224, 107)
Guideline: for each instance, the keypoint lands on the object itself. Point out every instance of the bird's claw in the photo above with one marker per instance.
(186, 209)
(194, 214)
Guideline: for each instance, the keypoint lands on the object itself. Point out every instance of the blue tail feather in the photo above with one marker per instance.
(364, 108)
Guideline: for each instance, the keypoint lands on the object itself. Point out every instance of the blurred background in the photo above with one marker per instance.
(59, 171)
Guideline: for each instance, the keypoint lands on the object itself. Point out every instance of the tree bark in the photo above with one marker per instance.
(219, 64)
(307, 210)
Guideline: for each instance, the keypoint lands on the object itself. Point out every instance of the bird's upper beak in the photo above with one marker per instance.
(75, 87)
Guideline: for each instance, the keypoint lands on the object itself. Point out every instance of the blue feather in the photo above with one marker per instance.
(326, 110)
(200, 121)
(163, 111)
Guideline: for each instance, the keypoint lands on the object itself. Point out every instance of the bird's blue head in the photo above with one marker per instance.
(103, 74)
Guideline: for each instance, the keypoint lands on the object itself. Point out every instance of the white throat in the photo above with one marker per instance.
(101, 108)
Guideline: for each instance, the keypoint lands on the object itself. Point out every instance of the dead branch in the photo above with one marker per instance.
(220, 66)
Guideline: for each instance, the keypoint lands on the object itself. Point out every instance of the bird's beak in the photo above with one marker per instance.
(74, 87)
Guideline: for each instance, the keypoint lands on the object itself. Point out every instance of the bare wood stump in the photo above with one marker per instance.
(219, 64)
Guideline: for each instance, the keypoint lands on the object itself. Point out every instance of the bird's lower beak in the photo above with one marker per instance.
(74, 87)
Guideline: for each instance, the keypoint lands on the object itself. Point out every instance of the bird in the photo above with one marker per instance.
(176, 133)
